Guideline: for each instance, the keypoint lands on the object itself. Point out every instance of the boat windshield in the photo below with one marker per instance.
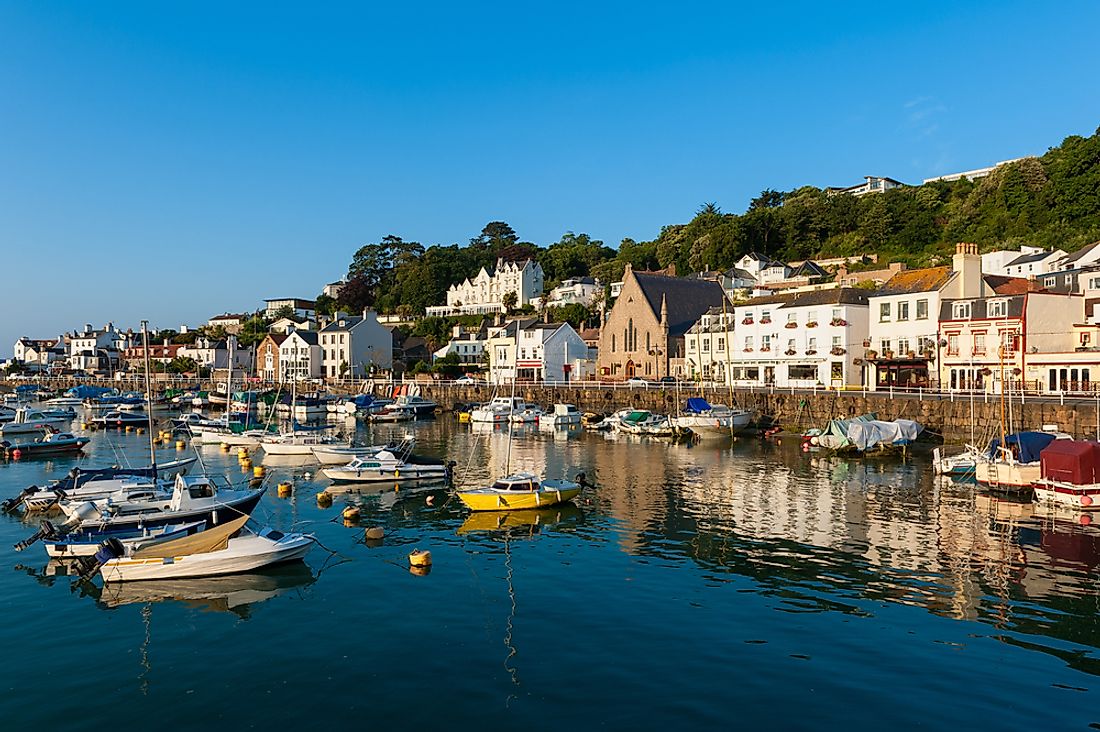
(525, 485)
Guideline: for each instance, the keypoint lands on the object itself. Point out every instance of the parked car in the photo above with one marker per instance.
(635, 381)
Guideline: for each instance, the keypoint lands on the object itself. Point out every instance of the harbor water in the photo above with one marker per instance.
(725, 585)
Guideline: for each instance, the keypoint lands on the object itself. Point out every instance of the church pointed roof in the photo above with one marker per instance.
(685, 299)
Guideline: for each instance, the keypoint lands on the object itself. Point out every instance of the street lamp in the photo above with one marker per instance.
(657, 353)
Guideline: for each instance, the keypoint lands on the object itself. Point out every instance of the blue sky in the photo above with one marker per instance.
(172, 164)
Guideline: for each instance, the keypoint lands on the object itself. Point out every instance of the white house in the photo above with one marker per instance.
(485, 293)
(531, 350)
(215, 354)
(94, 349)
(706, 355)
(467, 344)
(285, 325)
(800, 339)
(1029, 261)
(230, 322)
(39, 354)
(351, 345)
(299, 356)
(901, 345)
(332, 289)
(763, 269)
(577, 290)
(302, 308)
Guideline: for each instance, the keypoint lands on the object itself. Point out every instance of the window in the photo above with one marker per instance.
(1010, 341)
(1050, 281)
(887, 345)
(648, 347)
(721, 344)
(790, 344)
(837, 314)
(903, 346)
(953, 344)
(903, 311)
(979, 343)
(1094, 283)
(884, 312)
(706, 345)
(837, 343)
(792, 318)
(997, 308)
(765, 342)
(748, 343)
(811, 345)
(960, 311)
(802, 372)
(1085, 338)
(922, 309)
(612, 342)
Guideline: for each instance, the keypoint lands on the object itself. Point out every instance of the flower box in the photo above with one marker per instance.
(838, 321)
(838, 351)
(887, 354)
(871, 355)
(746, 321)
(765, 321)
(748, 350)
(791, 324)
(765, 349)
(789, 352)
(811, 352)
(811, 324)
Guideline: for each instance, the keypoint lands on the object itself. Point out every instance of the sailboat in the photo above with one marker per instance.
(519, 491)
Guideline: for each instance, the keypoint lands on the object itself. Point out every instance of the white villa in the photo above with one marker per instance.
(39, 354)
(485, 293)
(215, 354)
(92, 349)
(706, 356)
(306, 309)
(352, 344)
(578, 290)
(467, 344)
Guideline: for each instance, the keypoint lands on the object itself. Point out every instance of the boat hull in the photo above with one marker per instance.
(478, 500)
(409, 473)
(1007, 476)
(208, 564)
(1080, 497)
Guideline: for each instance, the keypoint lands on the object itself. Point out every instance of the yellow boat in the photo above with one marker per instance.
(519, 492)
(529, 521)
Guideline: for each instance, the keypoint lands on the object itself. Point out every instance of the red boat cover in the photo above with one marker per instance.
(1071, 461)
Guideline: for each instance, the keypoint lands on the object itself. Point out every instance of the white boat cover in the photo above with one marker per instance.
(866, 435)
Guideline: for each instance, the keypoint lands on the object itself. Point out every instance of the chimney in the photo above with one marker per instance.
(967, 264)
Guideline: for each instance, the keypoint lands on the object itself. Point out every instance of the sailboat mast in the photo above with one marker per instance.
(149, 397)
(511, 411)
(729, 347)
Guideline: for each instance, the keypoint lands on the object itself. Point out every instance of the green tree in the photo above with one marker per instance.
(509, 301)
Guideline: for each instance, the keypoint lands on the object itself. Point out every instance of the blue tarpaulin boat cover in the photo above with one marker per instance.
(83, 391)
(697, 405)
(1026, 446)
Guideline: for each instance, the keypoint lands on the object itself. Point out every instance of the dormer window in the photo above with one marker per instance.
(998, 308)
(960, 310)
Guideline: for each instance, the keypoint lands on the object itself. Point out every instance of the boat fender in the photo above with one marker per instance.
(1086, 500)
(374, 533)
(420, 558)
(16, 454)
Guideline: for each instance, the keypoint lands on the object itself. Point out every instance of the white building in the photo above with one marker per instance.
(1028, 262)
(800, 339)
(575, 291)
(353, 345)
(306, 309)
(229, 322)
(763, 269)
(870, 184)
(904, 329)
(39, 354)
(971, 174)
(485, 293)
(299, 356)
(531, 350)
(93, 349)
(467, 344)
(706, 356)
(215, 354)
(332, 289)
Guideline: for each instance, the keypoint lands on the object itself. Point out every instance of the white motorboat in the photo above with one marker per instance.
(219, 550)
(498, 410)
(1015, 464)
(118, 419)
(527, 415)
(389, 465)
(94, 485)
(394, 413)
(343, 454)
(297, 442)
(64, 401)
(709, 421)
(28, 420)
(643, 422)
(563, 415)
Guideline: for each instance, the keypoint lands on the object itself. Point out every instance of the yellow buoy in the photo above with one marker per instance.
(285, 490)
(324, 498)
(242, 452)
(420, 571)
(420, 558)
(141, 430)
(180, 444)
(351, 513)
(129, 428)
(463, 417)
(258, 471)
(225, 447)
(374, 533)
(83, 425)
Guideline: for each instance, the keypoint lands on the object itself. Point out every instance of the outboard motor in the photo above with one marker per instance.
(582, 480)
(110, 549)
(46, 530)
(12, 504)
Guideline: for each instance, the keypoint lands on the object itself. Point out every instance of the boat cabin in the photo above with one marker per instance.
(521, 482)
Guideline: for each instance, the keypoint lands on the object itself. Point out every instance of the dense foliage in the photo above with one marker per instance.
(1049, 201)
